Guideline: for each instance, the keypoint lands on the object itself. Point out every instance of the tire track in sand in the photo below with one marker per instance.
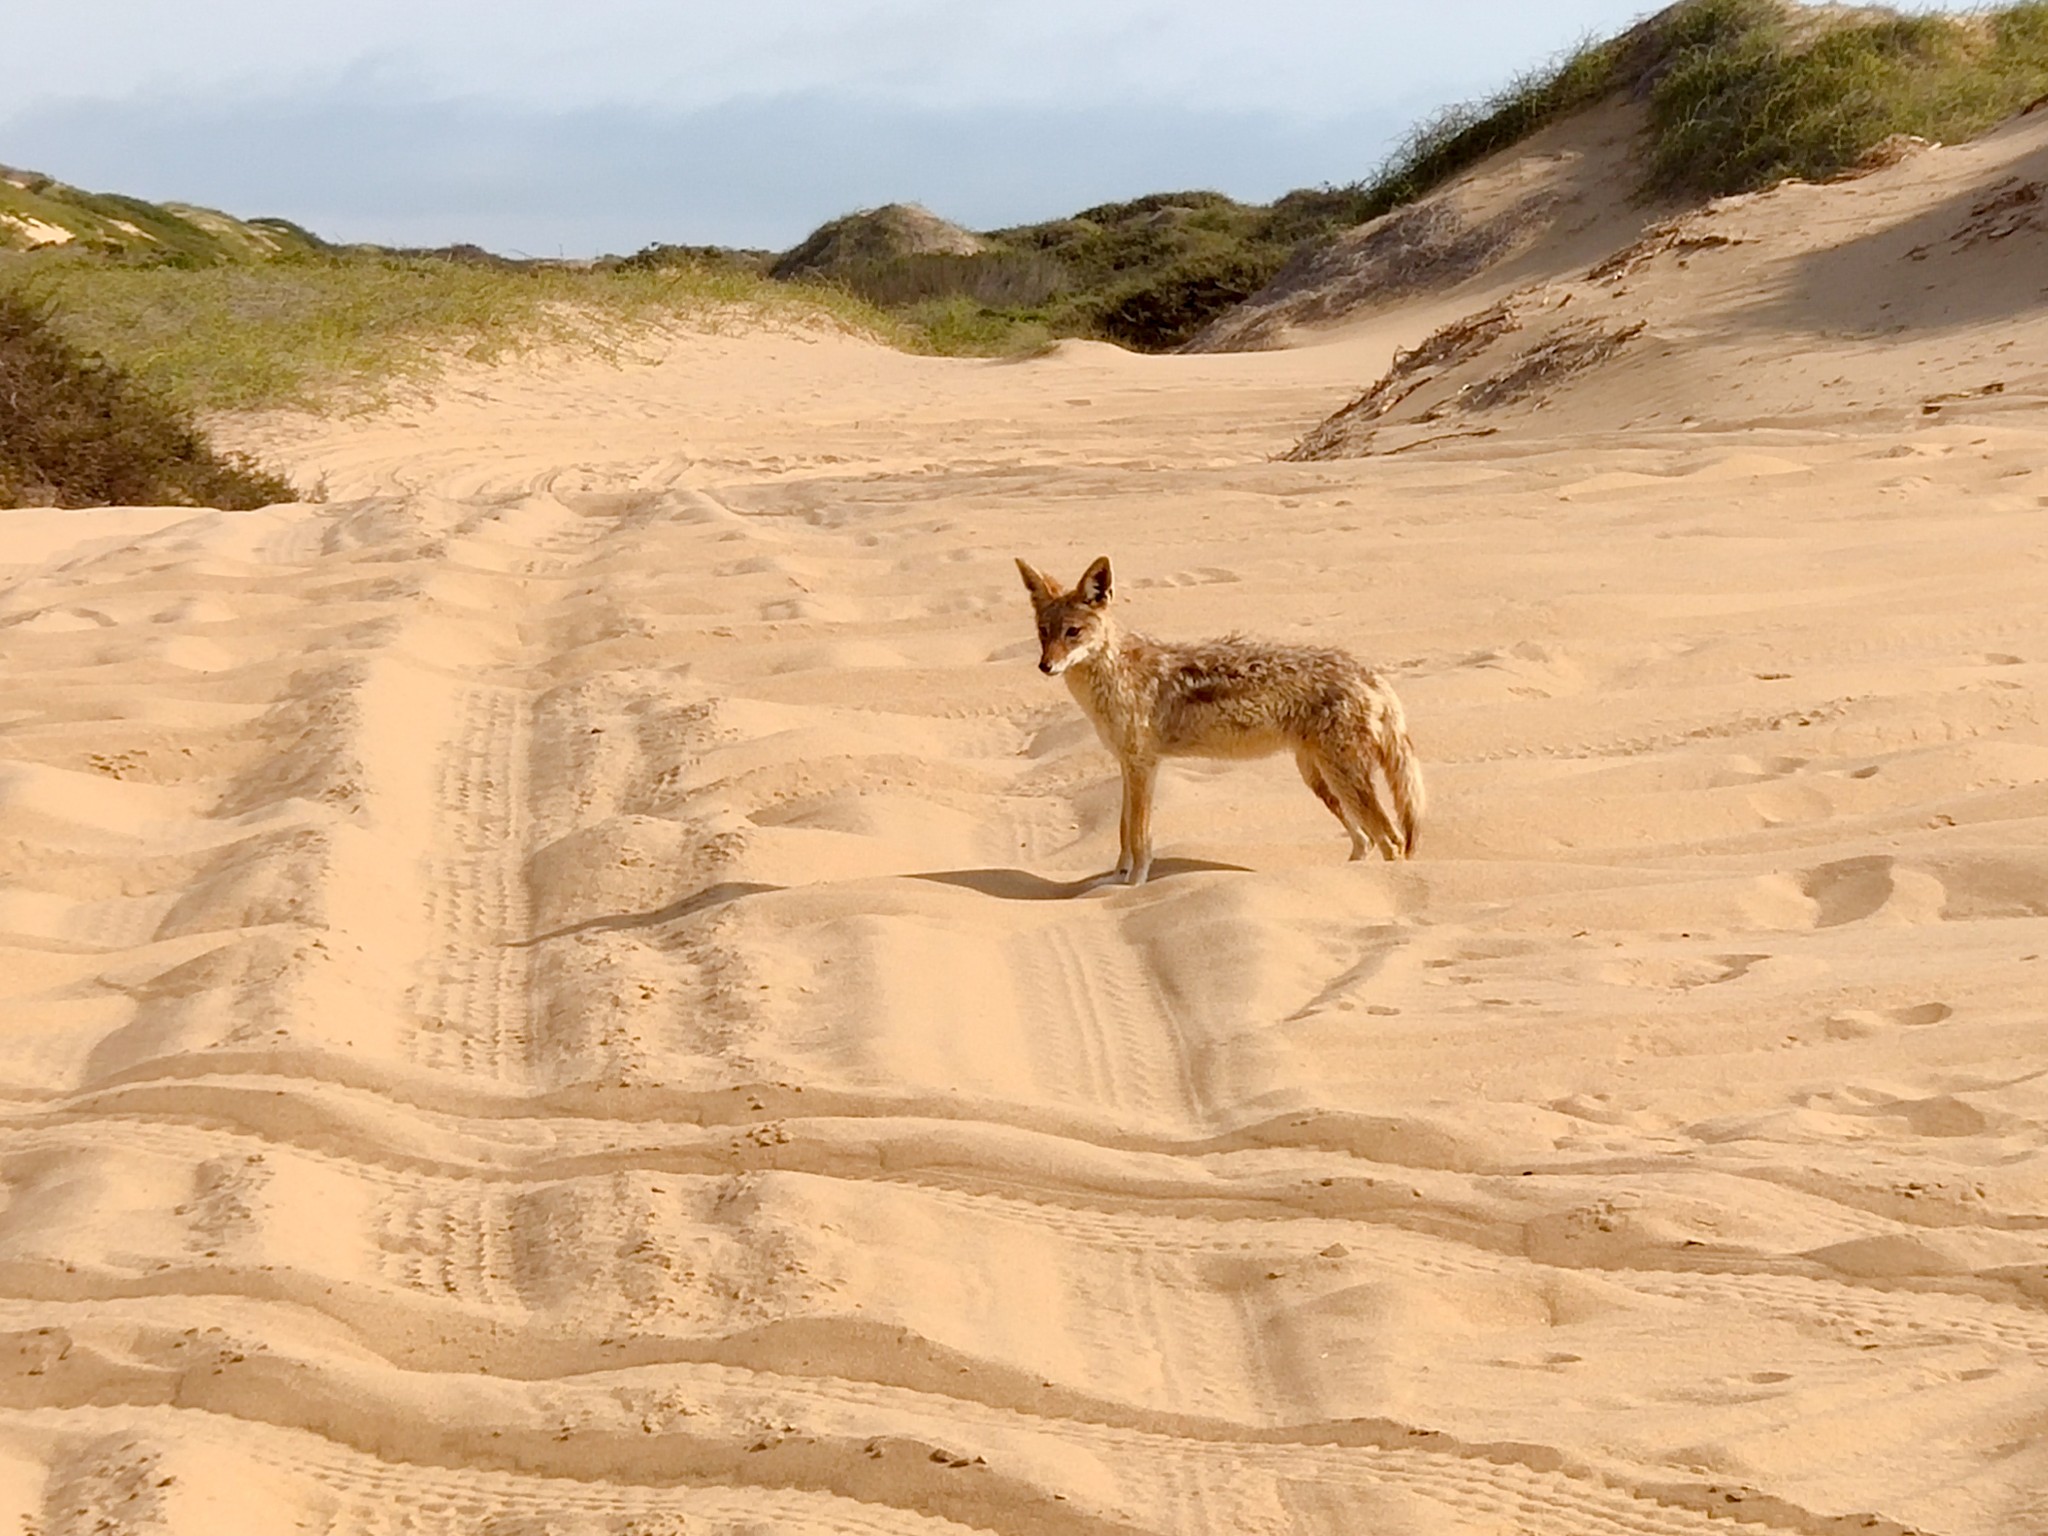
(473, 1007)
(582, 1207)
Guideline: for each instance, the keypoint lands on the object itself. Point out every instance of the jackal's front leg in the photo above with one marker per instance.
(1122, 871)
(1136, 860)
(1133, 848)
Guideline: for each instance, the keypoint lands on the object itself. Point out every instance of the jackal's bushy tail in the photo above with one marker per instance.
(1404, 773)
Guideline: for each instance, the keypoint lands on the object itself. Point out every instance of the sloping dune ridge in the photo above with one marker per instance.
(547, 994)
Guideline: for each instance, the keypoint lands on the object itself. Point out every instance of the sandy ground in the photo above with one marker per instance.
(545, 994)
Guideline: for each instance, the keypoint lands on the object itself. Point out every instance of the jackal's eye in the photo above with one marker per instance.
(1073, 632)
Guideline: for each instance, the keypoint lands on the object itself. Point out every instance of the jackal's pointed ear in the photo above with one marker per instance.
(1093, 587)
(1042, 591)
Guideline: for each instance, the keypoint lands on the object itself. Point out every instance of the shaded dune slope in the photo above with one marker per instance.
(1916, 288)
(1540, 209)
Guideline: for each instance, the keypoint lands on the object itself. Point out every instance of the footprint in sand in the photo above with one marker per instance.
(1205, 576)
(1859, 1023)
(1873, 885)
(58, 621)
(1920, 1015)
(1678, 973)
(1848, 890)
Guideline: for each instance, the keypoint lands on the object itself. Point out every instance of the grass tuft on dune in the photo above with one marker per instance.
(1744, 93)
(334, 330)
(1749, 92)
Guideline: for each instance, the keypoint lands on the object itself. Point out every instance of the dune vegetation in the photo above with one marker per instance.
(343, 328)
(78, 431)
(1739, 94)
(213, 313)
(40, 211)
(1745, 93)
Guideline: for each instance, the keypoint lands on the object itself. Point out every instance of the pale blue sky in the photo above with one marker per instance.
(545, 128)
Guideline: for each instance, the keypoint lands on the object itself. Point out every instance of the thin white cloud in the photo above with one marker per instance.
(1302, 58)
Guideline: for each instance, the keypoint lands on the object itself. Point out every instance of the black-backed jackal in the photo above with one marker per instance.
(1233, 697)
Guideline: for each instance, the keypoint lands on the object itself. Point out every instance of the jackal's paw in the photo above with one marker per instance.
(1109, 878)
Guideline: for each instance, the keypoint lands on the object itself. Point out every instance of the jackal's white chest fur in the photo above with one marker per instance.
(1100, 700)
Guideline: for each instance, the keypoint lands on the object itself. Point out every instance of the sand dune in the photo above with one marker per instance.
(1535, 212)
(1915, 289)
(548, 994)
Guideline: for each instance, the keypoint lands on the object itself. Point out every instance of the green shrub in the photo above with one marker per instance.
(1114, 241)
(1309, 212)
(1133, 209)
(1165, 309)
(997, 279)
(957, 326)
(1147, 272)
(670, 258)
(1746, 97)
(77, 431)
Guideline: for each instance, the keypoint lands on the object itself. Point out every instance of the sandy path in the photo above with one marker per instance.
(542, 997)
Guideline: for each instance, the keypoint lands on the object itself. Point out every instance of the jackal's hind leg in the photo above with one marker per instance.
(1348, 777)
(1314, 774)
